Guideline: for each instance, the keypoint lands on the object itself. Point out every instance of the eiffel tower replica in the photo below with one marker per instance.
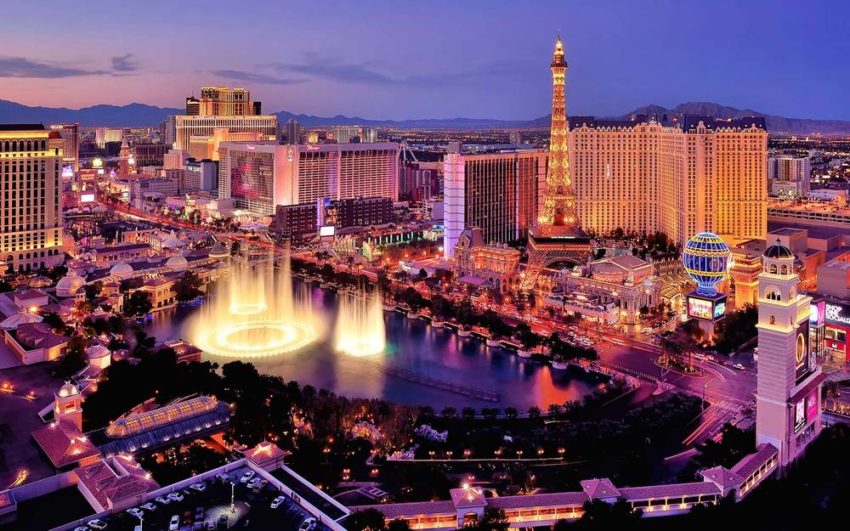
(557, 237)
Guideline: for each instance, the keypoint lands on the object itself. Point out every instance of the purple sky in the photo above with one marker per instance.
(434, 58)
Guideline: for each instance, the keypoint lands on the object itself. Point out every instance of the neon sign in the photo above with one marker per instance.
(833, 313)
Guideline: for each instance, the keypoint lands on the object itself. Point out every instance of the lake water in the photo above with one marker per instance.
(414, 349)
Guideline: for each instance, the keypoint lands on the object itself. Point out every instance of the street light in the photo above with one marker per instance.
(232, 497)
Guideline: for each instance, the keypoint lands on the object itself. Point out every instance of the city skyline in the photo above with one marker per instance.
(437, 60)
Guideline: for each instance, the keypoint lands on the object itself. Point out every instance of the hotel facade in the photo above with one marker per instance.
(500, 193)
(681, 178)
(31, 217)
(259, 177)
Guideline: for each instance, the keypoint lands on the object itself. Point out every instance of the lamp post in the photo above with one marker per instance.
(232, 497)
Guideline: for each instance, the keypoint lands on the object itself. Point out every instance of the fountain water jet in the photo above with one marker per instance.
(360, 329)
(254, 313)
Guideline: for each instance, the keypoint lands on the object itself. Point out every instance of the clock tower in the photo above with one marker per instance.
(788, 378)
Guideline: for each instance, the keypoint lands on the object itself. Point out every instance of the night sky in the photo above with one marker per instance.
(432, 59)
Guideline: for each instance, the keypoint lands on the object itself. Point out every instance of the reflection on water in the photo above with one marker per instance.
(412, 347)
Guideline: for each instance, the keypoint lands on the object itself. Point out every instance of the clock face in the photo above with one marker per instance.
(800, 350)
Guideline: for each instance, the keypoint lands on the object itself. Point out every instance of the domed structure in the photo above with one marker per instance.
(67, 389)
(69, 285)
(777, 250)
(706, 260)
(40, 282)
(172, 242)
(177, 263)
(121, 270)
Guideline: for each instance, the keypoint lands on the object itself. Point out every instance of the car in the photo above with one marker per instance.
(221, 476)
(149, 507)
(176, 496)
(81, 528)
(277, 502)
(253, 482)
(200, 487)
(739, 366)
(308, 524)
(246, 476)
(163, 500)
(135, 511)
(174, 523)
(96, 524)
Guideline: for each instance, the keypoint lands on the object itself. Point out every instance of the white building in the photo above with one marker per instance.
(789, 380)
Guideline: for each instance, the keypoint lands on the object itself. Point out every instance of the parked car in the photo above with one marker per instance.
(81, 528)
(308, 524)
(200, 487)
(149, 507)
(246, 476)
(221, 476)
(176, 496)
(253, 482)
(163, 500)
(174, 523)
(277, 502)
(739, 366)
(135, 511)
(96, 524)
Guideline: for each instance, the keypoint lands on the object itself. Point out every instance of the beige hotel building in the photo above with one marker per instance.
(31, 217)
(695, 174)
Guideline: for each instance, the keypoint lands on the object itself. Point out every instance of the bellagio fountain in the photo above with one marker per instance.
(255, 313)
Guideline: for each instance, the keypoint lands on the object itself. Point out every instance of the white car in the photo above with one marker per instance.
(200, 487)
(739, 366)
(96, 524)
(149, 507)
(175, 496)
(81, 528)
(246, 476)
(277, 502)
(174, 524)
(307, 525)
(135, 511)
(163, 500)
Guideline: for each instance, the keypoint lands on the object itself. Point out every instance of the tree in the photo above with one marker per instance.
(93, 290)
(511, 412)
(398, 525)
(137, 304)
(493, 520)
(534, 412)
(423, 274)
(468, 413)
(75, 357)
(599, 514)
(733, 446)
(5, 286)
(448, 412)
(187, 287)
(368, 520)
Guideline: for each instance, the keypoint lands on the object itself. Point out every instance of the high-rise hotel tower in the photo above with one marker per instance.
(31, 217)
(680, 177)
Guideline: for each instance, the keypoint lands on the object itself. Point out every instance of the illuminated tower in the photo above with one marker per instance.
(124, 159)
(557, 236)
(68, 405)
(789, 380)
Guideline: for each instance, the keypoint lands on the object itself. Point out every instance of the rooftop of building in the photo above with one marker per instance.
(686, 122)
(22, 127)
(209, 501)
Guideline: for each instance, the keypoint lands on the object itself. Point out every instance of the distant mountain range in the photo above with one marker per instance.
(139, 114)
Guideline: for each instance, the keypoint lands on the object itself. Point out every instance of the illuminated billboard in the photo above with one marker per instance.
(699, 308)
(812, 406)
(327, 230)
(803, 365)
(86, 198)
(710, 309)
(67, 171)
(799, 415)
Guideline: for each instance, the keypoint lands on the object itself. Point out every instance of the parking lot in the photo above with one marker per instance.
(207, 506)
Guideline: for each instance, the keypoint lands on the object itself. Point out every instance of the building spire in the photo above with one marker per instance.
(559, 202)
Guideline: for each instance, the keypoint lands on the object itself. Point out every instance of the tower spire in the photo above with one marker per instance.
(559, 202)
